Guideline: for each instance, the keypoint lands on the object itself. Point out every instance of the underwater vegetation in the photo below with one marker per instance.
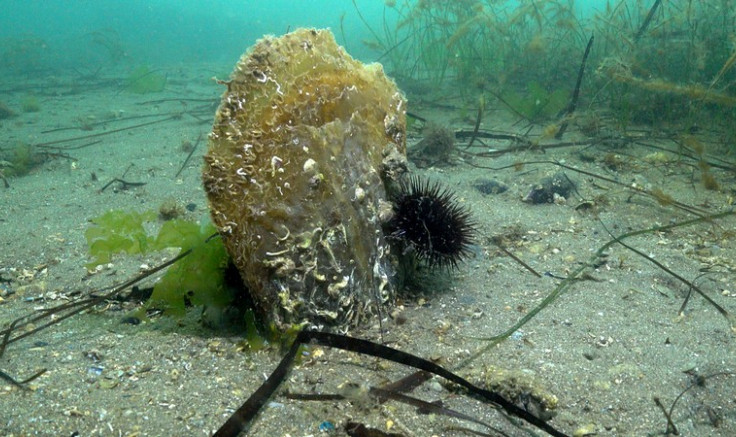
(693, 75)
(197, 279)
(5, 111)
(30, 103)
(20, 159)
(480, 44)
(109, 41)
(417, 218)
(524, 57)
(86, 54)
(143, 80)
(116, 232)
(537, 104)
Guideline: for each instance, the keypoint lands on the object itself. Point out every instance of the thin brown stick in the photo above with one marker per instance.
(189, 156)
(576, 93)
(481, 105)
(75, 307)
(21, 384)
(110, 132)
(671, 428)
(675, 275)
(123, 183)
(647, 20)
(518, 260)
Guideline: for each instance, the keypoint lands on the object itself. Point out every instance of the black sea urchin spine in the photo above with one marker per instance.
(429, 221)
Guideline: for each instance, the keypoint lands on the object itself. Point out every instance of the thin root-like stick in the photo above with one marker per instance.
(577, 273)
(247, 412)
(647, 20)
(109, 132)
(74, 307)
(189, 156)
(518, 260)
(481, 106)
(576, 93)
(669, 271)
(21, 384)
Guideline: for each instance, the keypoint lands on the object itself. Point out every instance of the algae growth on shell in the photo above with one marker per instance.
(303, 144)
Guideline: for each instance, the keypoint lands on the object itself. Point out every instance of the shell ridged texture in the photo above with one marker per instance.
(294, 176)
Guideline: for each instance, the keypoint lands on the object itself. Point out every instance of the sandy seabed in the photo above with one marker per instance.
(605, 348)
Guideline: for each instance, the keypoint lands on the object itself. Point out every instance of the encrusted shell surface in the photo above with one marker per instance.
(295, 173)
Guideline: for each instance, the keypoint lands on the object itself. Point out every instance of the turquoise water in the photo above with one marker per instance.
(62, 33)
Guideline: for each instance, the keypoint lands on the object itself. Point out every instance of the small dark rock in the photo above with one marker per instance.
(131, 320)
(191, 207)
(590, 355)
(489, 186)
(93, 355)
(544, 191)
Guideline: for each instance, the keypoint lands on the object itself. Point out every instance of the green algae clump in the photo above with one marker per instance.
(143, 80)
(117, 232)
(196, 279)
(30, 103)
(305, 143)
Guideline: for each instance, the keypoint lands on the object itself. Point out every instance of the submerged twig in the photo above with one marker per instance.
(5, 376)
(189, 156)
(577, 273)
(671, 428)
(109, 132)
(658, 195)
(123, 184)
(647, 20)
(21, 384)
(576, 93)
(481, 106)
(517, 259)
(699, 381)
(244, 415)
(73, 308)
(726, 67)
(669, 271)
(383, 394)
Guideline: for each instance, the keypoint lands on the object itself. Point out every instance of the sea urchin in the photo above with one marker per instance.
(429, 221)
